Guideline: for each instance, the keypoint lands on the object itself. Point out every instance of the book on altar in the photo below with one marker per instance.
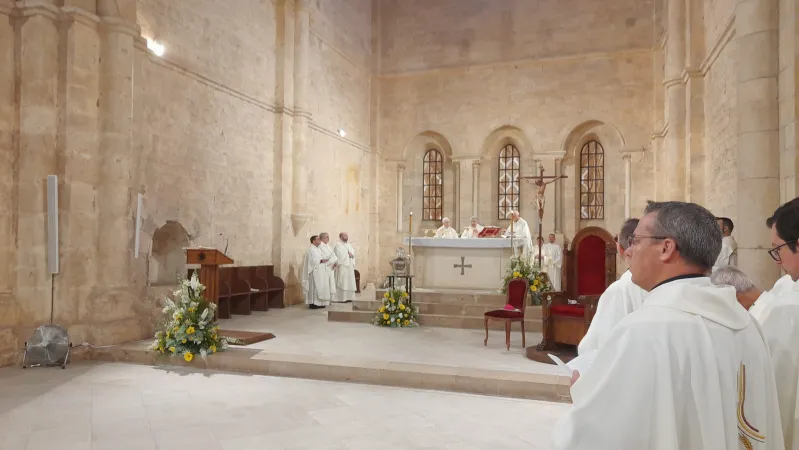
(489, 232)
(581, 363)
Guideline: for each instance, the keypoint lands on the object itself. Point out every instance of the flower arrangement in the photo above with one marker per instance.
(521, 268)
(396, 311)
(189, 329)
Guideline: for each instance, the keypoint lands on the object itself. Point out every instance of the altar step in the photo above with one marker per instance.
(437, 320)
(447, 309)
(456, 297)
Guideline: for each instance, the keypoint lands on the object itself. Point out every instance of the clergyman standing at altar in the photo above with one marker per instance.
(553, 261)
(314, 279)
(522, 238)
(473, 230)
(332, 262)
(345, 272)
(446, 231)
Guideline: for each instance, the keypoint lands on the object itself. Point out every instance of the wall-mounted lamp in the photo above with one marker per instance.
(155, 47)
(342, 133)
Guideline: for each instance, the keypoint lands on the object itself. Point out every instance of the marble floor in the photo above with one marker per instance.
(301, 331)
(120, 406)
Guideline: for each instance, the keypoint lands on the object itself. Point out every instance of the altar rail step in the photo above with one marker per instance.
(445, 309)
(488, 299)
(436, 320)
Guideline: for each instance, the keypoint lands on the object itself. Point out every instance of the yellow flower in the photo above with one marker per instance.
(161, 348)
(406, 323)
(393, 301)
(183, 341)
(213, 348)
(167, 334)
(176, 329)
(402, 307)
(385, 316)
(404, 294)
(516, 274)
(192, 309)
(172, 349)
(179, 317)
(190, 330)
(533, 288)
(188, 356)
(382, 309)
(386, 295)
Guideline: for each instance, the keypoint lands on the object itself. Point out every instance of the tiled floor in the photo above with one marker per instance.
(119, 406)
(301, 331)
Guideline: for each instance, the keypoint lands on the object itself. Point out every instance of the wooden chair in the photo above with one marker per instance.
(357, 282)
(517, 298)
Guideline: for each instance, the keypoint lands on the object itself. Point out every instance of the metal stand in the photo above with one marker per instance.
(392, 280)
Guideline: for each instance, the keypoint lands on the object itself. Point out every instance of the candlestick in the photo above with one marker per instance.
(410, 226)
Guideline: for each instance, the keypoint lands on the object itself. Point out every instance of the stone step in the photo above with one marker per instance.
(437, 320)
(446, 309)
(456, 298)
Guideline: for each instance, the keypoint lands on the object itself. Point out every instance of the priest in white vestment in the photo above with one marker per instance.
(522, 238)
(345, 272)
(728, 256)
(687, 371)
(553, 261)
(332, 262)
(473, 230)
(314, 277)
(621, 298)
(445, 231)
(779, 318)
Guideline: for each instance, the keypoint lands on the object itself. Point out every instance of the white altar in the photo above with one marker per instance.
(459, 263)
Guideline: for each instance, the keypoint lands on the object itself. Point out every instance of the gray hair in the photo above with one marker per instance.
(730, 276)
(627, 230)
(446, 219)
(472, 218)
(324, 235)
(692, 227)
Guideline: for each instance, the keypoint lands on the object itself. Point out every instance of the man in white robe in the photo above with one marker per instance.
(522, 238)
(314, 278)
(778, 316)
(553, 261)
(745, 289)
(331, 264)
(621, 298)
(445, 231)
(687, 371)
(345, 272)
(728, 256)
(473, 230)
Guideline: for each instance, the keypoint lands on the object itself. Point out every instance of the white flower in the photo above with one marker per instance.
(205, 314)
(392, 319)
(203, 353)
(400, 315)
(194, 283)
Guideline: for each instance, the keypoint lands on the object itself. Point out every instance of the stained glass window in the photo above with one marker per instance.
(592, 181)
(433, 193)
(508, 189)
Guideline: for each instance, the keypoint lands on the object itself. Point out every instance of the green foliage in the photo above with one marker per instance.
(396, 312)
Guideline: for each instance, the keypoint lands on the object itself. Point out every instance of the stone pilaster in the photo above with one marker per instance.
(628, 185)
(757, 137)
(695, 178)
(456, 169)
(8, 153)
(558, 188)
(476, 188)
(673, 160)
(302, 116)
(400, 188)
(117, 185)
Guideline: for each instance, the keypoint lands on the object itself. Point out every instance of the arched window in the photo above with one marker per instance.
(508, 189)
(433, 193)
(592, 181)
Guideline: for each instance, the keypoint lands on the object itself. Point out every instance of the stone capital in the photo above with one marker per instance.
(400, 166)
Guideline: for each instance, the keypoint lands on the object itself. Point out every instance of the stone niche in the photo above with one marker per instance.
(167, 257)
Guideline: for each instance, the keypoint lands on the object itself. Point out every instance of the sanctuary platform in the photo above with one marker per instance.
(459, 263)
(308, 345)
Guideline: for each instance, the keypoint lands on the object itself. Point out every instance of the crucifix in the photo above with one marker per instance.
(462, 265)
(541, 181)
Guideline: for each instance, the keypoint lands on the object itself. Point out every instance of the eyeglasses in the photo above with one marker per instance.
(775, 252)
(634, 239)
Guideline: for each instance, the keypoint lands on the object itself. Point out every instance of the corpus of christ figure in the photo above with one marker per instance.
(542, 181)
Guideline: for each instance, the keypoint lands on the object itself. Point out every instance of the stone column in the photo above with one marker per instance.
(117, 187)
(456, 168)
(400, 181)
(476, 187)
(8, 130)
(628, 182)
(302, 115)
(674, 154)
(758, 136)
(558, 210)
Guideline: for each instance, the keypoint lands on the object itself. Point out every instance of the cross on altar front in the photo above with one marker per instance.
(463, 265)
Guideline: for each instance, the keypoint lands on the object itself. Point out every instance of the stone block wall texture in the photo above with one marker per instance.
(195, 132)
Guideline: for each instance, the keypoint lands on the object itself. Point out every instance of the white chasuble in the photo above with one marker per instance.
(471, 232)
(729, 253)
(315, 285)
(688, 371)
(553, 261)
(345, 272)
(327, 253)
(779, 320)
(522, 239)
(619, 299)
(446, 233)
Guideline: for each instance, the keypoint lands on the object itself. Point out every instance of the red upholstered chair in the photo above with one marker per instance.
(517, 298)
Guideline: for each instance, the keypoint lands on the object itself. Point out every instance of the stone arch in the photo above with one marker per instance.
(608, 135)
(412, 190)
(502, 136)
(167, 258)
(424, 141)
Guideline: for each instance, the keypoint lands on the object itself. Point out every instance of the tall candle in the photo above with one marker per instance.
(410, 226)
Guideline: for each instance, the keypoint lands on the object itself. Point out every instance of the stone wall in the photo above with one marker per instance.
(212, 135)
(472, 76)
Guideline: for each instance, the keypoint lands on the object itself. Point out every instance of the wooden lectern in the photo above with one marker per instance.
(209, 260)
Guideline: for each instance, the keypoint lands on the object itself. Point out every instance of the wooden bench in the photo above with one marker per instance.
(237, 290)
(276, 286)
(245, 289)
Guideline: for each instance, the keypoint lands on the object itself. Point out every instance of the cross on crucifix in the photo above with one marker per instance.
(540, 198)
(462, 265)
